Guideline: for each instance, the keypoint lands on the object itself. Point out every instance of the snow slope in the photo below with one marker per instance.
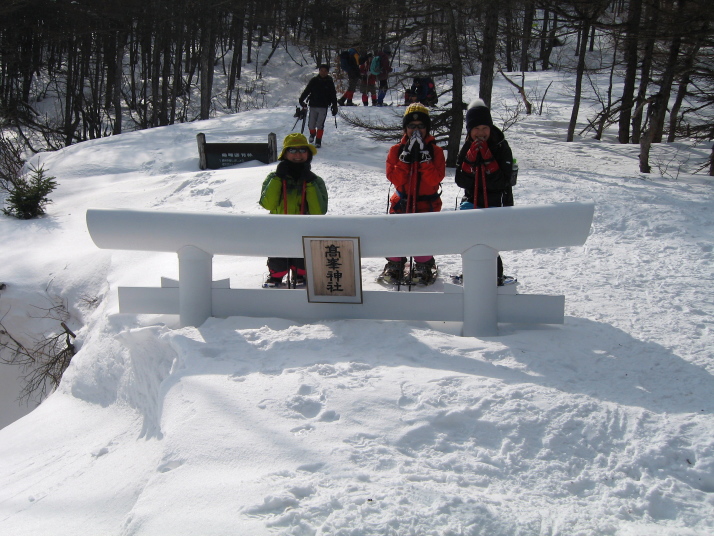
(344, 428)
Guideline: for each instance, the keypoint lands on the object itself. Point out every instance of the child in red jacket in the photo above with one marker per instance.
(416, 167)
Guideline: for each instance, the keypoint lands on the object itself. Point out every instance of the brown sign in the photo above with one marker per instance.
(333, 269)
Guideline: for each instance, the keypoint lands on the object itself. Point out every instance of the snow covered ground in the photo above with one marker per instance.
(346, 428)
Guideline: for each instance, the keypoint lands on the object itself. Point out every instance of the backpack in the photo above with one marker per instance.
(321, 192)
(514, 172)
(348, 61)
(425, 91)
(375, 67)
(345, 60)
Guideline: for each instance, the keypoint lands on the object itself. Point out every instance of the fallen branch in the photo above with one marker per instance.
(521, 90)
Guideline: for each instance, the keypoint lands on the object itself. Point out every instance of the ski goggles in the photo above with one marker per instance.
(296, 150)
(413, 126)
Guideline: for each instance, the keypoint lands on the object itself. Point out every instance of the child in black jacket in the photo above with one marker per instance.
(484, 165)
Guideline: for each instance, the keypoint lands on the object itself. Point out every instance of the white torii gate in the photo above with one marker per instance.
(477, 235)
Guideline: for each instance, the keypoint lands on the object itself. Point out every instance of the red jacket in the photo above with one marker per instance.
(429, 177)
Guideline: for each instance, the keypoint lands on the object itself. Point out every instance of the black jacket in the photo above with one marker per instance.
(500, 180)
(319, 92)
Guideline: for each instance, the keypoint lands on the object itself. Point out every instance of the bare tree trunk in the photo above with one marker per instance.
(682, 91)
(457, 110)
(527, 31)
(207, 59)
(668, 74)
(548, 39)
(579, 79)
(237, 59)
(654, 102)
(631, 42)
(666, 89)
(510, 39)
(651, 18)
(490, 42)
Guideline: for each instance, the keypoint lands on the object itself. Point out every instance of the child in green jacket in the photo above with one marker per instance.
(292, 189)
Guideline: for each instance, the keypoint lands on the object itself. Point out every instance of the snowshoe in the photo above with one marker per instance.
(458, 279)
(424, 273)
(292, 281)
(393, 273)
(274, 282)
(506, 280)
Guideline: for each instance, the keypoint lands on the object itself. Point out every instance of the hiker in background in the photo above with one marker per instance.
(422, 91)
(368, 83)
(320, 94)
(380, 67)
(484, 165)
(416, 167)
(349, 63)
(292, 189)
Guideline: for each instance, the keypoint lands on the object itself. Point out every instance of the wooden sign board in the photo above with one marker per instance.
(333, 269)
(220, 155)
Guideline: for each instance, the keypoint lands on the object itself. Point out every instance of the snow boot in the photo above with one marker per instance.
(393, 272)
(424, 273)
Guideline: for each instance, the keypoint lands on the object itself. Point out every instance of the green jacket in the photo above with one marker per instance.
(271, 197)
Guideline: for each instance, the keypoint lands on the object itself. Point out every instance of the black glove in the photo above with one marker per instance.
(334, 109)
(405, 156)
(424, 156)
(302, 104)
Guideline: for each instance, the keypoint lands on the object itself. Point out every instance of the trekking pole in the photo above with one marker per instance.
(288, 276)
(413, 192)
(298, 114)
(304, 116)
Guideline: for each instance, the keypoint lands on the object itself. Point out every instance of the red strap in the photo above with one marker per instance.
(302, 201)
(285, 198)
(480, 176)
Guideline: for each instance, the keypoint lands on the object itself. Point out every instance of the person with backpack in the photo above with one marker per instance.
(380, 67)
(292, 189)
(349, 63)
(321, 94)
(484, 165)
(368, 84)
(422, 91)
(416, 167)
